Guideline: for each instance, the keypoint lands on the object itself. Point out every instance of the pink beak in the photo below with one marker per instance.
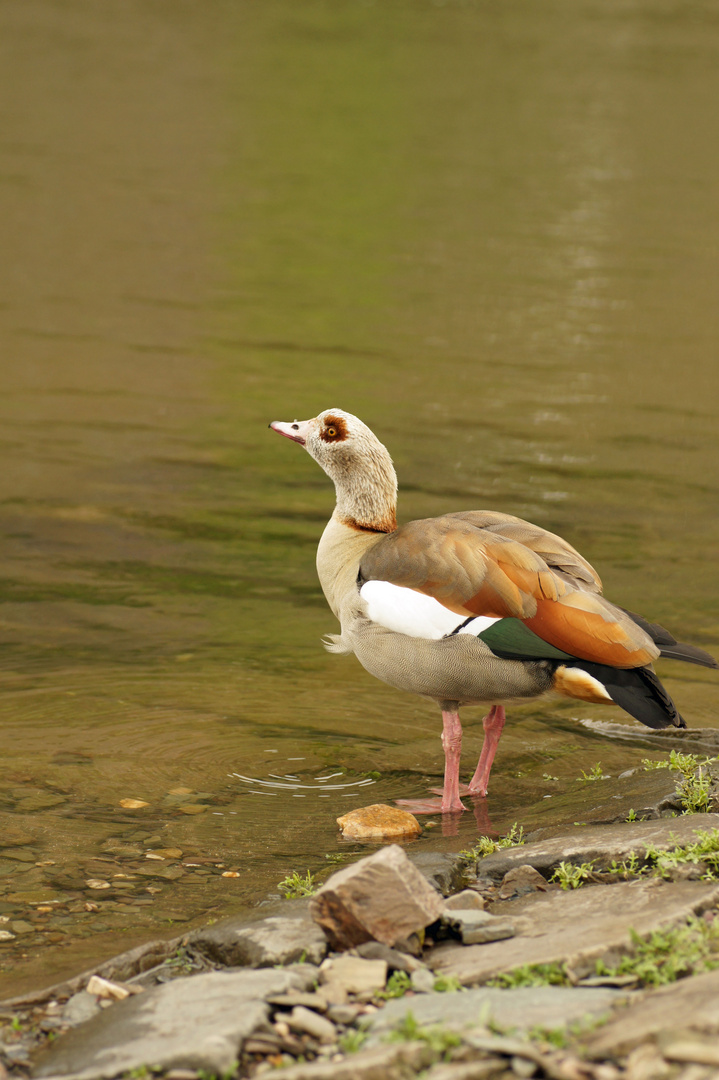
(297, 430)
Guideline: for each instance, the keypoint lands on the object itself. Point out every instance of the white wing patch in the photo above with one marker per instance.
(406, 611)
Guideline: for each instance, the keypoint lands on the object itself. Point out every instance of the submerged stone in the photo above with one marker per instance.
(379, 822)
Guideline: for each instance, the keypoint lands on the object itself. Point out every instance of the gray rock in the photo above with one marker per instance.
(596, 843)
(307, 1022)
(423, 980)
(274, 940)
(288, 1001)
(80, 1008)
(197, 1023)
(445, 871)
(396, 961)
(398, 1061)
(478, 927)
(483, 1069)
(513, 1010)
(576, 927)
(688, 1004)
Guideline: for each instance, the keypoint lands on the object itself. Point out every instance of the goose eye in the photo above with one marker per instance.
(331, 432)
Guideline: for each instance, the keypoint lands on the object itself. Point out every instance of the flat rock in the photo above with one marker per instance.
(197, 1023)
(512, 1010)
(398, 1061)
(465, 900)
(395, 960)
(274, 940)
(596, 843)
(354, 974)
(478, 927)
(576, 927)
(688, 1004)
(308, 1022)
(381, 897)
(379, 822)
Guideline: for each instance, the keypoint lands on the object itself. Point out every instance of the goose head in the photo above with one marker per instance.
(355, 460)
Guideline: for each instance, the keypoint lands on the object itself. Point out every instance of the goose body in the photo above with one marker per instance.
(472, 608)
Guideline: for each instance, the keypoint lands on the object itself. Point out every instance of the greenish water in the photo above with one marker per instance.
(490, 230)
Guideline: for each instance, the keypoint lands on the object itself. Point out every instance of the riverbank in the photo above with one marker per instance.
(584, 951)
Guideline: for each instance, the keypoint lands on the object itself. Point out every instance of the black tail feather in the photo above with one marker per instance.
(638, 691)
(669, 646)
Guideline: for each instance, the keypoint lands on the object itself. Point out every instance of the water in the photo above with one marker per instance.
(489, 230)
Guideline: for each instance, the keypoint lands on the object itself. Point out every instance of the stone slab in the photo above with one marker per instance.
(274, 940)
(443, 870)
(399, 1061)
(195, 1023)
(691, 1004)
(512, 1010)
(596, 843)
(576, 927)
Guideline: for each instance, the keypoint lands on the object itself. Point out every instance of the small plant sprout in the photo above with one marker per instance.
(397, 986)
(632, 815)
(695, 789)
(569, 876)
(532, 975)
(486, 846)
(595, 773)
(352, 1040)
(440, 1039)
(447, 984)
(548, 776)
(293, 886)
(668, 955)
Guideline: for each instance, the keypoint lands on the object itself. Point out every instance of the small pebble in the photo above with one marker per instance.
(133, 804)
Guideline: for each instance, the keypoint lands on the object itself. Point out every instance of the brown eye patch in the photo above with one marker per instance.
(334, 429)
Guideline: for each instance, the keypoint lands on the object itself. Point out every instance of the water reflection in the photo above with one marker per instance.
(489, 232)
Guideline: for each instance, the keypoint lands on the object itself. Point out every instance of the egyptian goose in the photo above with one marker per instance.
(474, 608)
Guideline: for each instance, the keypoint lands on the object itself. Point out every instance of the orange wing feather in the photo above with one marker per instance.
(465, 562)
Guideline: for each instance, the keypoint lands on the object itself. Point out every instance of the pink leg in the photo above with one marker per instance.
(492, 724)
(450, 802)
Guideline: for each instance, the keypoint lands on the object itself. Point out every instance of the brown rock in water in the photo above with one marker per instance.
(379, 822)
(382, 897)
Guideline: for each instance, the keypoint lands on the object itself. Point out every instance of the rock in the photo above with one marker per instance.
(383, 896)
(353, 974)
(344, 1014)
(465, 900)
(478, 927)
(288, 1001)
(396, 961)
(512, 1010)
(694, 1050)
(600, 844)
(12, 836)
(423, 980)
(689, 1003)
(520, 881)
(133, 804)
(398, 1061)
(105, 988)
(307, 1022)
(483, 1069)
(197, 1023)
(576, 927)
(20, 926)
(379, 822)
(80, 1008)
(264, 943)
(446, 872)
